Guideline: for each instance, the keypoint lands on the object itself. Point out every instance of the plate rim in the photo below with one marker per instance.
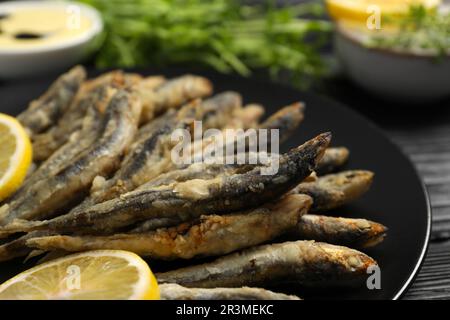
(419, 264)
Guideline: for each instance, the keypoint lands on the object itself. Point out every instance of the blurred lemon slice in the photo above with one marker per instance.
(92, 275)
(360, 10)
(15, 155)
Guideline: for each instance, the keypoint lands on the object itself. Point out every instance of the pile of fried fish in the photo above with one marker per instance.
(103, 178)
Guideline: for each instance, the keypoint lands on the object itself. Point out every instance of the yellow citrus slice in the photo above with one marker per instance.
(91, 275)
(360, 10)
(15, 155)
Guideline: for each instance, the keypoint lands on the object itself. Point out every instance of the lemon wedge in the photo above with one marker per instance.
(15, 155)
(360, 10)
(91, 275)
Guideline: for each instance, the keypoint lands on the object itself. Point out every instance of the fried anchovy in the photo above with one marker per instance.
(247, 117)
(18, 248)
(306, 263)
(46, 196)
(144, 159)
(213, 235)
(79, 144)
(191, 199)
(148, 84)
(286, 120)
(333, 159)
(91, 92)
(217, 111)
(148, 157)
(199, 170)
(174, 93)
(45, 111)
(334, 190)
(172, 291)
(355, 233)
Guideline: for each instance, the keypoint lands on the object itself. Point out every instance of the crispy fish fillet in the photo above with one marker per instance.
(47, 109)
(333, 159)
(174, 93)
(191, 199)
(213, 235)
(43, 198)
(355, 233)
(172, 291)
(334, 190)
(306, 263)
(91, 92)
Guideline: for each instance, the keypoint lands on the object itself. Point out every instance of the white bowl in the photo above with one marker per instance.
(52, 58)
(405, 77)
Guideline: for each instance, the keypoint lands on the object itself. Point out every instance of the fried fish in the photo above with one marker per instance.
(306, 263)
(334, 190)
(212, 235)
(91, 92)
(286, 120)
(47, 109)
(333, 159)
(148, 157)
(172, 291)
(43, 198)
(174, 93)
(355, 233)
(191, 199)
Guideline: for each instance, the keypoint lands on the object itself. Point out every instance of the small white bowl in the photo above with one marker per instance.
(54, 57)
(406, 77)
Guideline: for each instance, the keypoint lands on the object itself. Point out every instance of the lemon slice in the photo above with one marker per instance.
(92, 275)
(15, 155)
(360, 10)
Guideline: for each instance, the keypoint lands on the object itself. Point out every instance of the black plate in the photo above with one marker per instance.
(397, 198)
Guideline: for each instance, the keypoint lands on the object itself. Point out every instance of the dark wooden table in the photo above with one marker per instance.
(422, 132)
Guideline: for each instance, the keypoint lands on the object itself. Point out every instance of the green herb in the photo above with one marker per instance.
(221, 34)
(419, 29)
